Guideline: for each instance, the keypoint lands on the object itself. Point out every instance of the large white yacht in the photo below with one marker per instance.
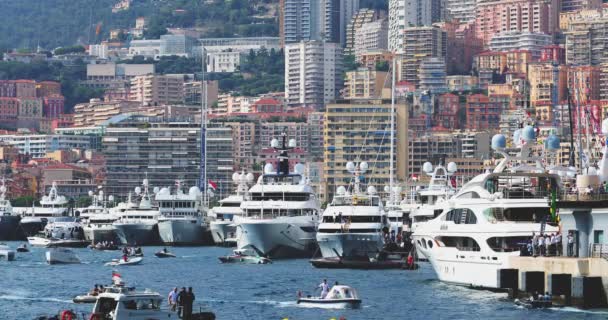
(490, 218)
(9, 221)
(52, 206)
(138, 224)
(281, 211)
(97, 219)
(354, 222)
(223, 229)
(180, 221)
(431, 200)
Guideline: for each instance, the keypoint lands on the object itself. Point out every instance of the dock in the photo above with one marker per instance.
(579, 282)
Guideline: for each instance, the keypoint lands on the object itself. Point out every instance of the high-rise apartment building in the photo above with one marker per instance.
(461, 10)
(313, 73)
(157, 89)
(420, 43)
(365, 83)
(576, 5)
(359, 130)
(372, 36)
(497, 16)
(410, 13)
(533, 42)
(587, 42)
(547, 83)
(432, 75)
(361, 17)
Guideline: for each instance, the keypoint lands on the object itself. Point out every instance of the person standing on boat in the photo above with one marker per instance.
(173, 299)
(570, 244)
(324, 288)
(534, 244)
(541, 244)
(188, 303)
(181, 299)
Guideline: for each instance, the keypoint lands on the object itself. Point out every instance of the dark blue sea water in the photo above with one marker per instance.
(30, 288)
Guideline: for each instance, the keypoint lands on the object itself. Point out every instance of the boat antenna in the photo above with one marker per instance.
(392, 155)
(203, 152)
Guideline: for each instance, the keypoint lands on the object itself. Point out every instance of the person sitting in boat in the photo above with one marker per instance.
(125, 251)
(95, 291)
(138, 250)
(165, 250)
(125, 257)
(324, 288)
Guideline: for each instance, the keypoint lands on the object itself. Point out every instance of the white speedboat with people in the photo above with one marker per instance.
(52, 206)
(138, 225)
(281, 211)
(354, 223)
(61, 256)
(181, 216)
(489, 220)
(222, 227)
(338, 297)
(125, 261)
(244, 256)
(9, 220)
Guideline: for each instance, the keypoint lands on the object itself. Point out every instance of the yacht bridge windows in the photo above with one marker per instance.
(460, 243)
(461, 216)
(281, 179)
(280, 196)
(522, 186)
(356, 201)
(525, 214)
(507, 244)
(274, 213)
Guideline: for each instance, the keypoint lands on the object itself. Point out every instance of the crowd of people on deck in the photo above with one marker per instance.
(588, 190)
(131, 252)
(182, 302)
(550, 244)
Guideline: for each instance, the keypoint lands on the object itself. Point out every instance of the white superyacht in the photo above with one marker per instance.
(97, 220)
(281, 211)
(9, 220)
(354, 223)
(180, 221)
(223, 229)
(490, 218)
(138, 224)
(52, 206)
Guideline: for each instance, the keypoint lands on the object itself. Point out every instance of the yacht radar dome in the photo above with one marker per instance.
(605, 127)
(364, 166)
(292, 143)
(137, 190)
(350, 166)
(111, 198)
(194, 191)
(274, 143)
(427, 167)
(341, 190)
(145, 183)
(268, 168)
(452, 167)
(235, 177)
(552, 143)
(387, 189)
(499, 142)
(528, 134)
(156, 190)
(299, 168)
(250, 177)
(91, 193)
(371, 190)
(517, 137)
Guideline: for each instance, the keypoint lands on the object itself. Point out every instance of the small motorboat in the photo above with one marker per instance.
(242, 256)
(164, 254)
(101, 247)
(23, 248)
(55, 243)
(85, 298)
(61, 256)
(339, 297)
(534, 304)
(6, 252)
(122, 262)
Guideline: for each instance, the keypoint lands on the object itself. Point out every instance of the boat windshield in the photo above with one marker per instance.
(356, 201)
(535, 215)
(282, 179)
(514, 186)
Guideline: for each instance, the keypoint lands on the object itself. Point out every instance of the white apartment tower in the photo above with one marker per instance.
(410, 13)
(461, 10)
(313, 73)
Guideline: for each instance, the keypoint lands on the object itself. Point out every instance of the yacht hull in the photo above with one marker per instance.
(9, 227)
(223, 233)
(96, 235)
(137, 234)
(31, 228)
(180, 232)
(279, 238)
(347, 245)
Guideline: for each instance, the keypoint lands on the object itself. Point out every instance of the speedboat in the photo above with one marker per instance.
(339, 297)
(23, 248)
(354, 223)
(244, 257)
(62, 232)
(52, 206)
(534, 303)
(181, 216)
(122, 262)
(281, 211)
(139, 225)
(222, 227)
(164, 254)
(9, 220)
(6, 252)
(85, 298)
(61, 256)
(492, 216)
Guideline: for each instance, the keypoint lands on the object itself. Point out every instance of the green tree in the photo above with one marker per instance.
(349, 63)
(382, 66)
(24, 201)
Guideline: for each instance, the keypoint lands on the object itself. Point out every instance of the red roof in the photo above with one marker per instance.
(267, 101)
(64, 166)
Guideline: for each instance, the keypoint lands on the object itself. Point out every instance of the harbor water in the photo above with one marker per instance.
(30, 288)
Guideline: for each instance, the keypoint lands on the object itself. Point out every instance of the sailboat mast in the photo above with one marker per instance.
(392, 165)
(203, 155)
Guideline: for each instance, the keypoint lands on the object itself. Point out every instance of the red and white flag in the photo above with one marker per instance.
(212, 185)
(116, 277)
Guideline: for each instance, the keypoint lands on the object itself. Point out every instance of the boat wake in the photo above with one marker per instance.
(281, 304)
(42, 299)
(576, 310)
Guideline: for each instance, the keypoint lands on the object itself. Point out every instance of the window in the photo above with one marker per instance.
(461, 216)
(461, 243)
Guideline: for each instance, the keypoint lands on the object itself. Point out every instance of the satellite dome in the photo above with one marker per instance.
(350, 166)
(145, 183)
(371, 190)
(528, 133)
(341, 190)
(194, 191)
(387, 189)
(274, 143)
(90, 193)
(250, 177)
(156, 189)
(552, 143)
(299, 168)
(427, 167)
(235, 177)
(499, 141)
(111, 198)
(517, 136)
(364, 166)
(292, 143)
(137, 190)
(268, 168)
(452, 167)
